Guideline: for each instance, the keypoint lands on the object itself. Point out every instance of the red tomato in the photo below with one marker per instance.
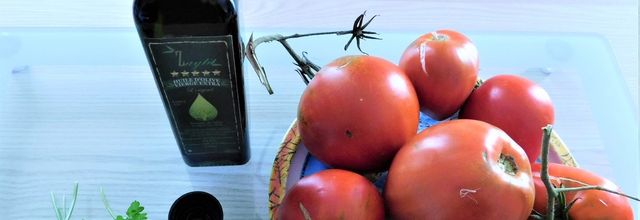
(443, 67)
(332, 194)
(357, 112)
(590, 204)
(460, 169)
(514, 104)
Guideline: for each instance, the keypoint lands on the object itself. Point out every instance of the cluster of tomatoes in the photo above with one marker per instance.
(360, 114)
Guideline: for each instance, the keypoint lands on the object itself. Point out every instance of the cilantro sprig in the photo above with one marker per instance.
(134, 212)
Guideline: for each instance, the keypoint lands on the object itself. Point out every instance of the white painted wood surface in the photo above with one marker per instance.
(57, 126)
(617, 20)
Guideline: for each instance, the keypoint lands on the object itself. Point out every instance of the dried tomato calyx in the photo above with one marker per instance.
(508, 164)
(439, 37)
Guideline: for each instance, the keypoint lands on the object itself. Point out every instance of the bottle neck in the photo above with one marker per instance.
(170, 18)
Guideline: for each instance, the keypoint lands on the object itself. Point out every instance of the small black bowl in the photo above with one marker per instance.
(196, 205)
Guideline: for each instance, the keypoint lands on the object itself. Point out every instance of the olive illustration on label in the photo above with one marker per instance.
(202, 110)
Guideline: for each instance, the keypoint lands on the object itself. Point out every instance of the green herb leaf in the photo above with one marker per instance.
(135, 212)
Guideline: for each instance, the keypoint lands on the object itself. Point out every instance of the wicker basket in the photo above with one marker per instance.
(292, 156)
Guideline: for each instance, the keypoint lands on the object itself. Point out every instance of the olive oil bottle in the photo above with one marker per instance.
(195, 53)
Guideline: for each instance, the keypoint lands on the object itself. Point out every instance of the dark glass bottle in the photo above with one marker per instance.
(195, 53)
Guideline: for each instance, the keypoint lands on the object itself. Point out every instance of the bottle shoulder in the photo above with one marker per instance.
(186, 11)
(159, 18)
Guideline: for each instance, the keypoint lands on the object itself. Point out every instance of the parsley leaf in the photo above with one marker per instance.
(134, 212)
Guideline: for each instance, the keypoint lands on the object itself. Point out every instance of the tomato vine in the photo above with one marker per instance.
(558, 193)
(306, 68)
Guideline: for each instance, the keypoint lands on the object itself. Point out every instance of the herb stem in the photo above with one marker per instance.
(55, 207)
(73, 201)
(64, 206)
(106, 203)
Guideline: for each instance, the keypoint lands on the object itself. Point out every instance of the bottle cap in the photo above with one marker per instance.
(196, 205)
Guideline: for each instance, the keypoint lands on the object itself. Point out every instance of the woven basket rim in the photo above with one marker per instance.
(291, 140)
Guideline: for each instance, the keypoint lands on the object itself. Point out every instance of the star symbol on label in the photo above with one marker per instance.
(216, 72)
(195, 73)
(206, 72)
(184, 73)
(174, 74)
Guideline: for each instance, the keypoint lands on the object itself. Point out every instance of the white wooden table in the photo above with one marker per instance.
(72, 114)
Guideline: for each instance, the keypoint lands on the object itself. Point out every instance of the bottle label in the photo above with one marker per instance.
(198, 81)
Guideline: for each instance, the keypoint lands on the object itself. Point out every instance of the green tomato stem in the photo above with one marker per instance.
(552, 191)
(479, 82)
(544, 174)
(590, 187)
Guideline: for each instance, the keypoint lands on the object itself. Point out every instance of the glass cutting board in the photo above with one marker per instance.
(595, 114)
